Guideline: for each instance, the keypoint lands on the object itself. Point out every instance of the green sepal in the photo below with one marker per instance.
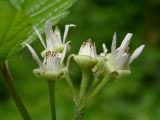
(48, 75)
(85, 61)
(103, 67)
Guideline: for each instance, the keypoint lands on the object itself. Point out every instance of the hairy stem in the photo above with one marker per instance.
(9, 82)
(51, 86)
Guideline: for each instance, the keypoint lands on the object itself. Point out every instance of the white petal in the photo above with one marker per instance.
(113, 47)
(56, 63)
(82, 50)
(93, 51)
(118, 53)
(105, 50)
(122, 60)
(49, 35)
(34, 55)
(40, 37)
(66, 31)
(52, 63)
(126, 41)
(57, 34)
(64, 52)
(136, 53)
(88, 48)
(51, 39)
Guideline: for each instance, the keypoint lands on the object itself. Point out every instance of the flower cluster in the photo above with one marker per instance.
(99, 67)
(118, 60)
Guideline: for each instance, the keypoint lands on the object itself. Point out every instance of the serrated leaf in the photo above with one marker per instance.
(14, 28)
(41, 10)
(19, 16)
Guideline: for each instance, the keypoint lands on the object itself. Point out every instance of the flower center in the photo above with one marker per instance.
(89, 41)
(48, 56)
(50, 53)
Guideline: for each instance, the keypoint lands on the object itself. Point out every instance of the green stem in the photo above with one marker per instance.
(79, 106)
(9, 82)
(94, 83)
(68, 79)
(83, 87)
(69, 82)
(79, 113)
(51, 86)
(97, 89)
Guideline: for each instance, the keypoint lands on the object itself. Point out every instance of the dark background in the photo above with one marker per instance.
(135, 97)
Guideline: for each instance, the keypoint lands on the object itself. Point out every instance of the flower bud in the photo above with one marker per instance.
(86, 57)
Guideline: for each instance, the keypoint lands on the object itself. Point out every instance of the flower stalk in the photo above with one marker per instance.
(71, 86)
(86, 59)
(83, 87)
(97, 89)
(51, 68)
(9, 82)
(79, 113)
(51, 87)
(79, 103)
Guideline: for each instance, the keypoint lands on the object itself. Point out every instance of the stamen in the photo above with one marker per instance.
(126, 50)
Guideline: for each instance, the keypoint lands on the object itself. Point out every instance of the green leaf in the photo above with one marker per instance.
(19, 16)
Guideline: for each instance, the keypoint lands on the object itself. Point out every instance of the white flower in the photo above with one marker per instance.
(86, 57)
(53, 38)
(88, 48)
(51, 67)
(119, 59)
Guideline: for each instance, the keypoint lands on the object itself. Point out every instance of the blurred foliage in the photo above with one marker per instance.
(19, 16)
(135, 97)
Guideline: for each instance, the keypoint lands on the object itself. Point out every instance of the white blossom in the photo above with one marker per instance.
(119, 59)
(53, 59)
(87, 56)
(53, 38)
(52, 63)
